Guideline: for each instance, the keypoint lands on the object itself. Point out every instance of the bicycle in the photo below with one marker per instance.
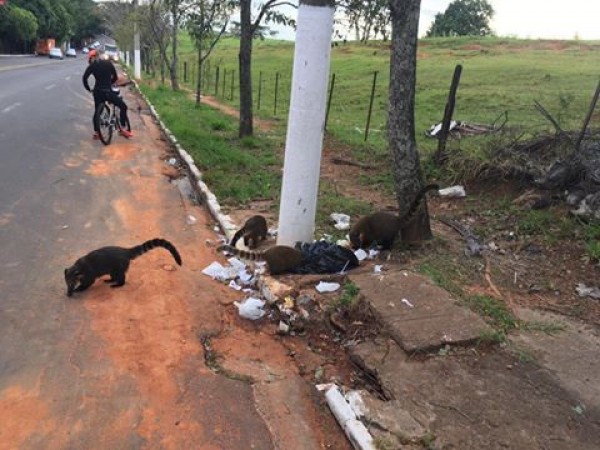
(106, 119)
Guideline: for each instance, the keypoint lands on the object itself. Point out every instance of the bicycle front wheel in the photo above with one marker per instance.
(103, 122)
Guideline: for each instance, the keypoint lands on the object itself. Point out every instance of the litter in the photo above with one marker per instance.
(191, 220)
(460, 129)
(373, 253)
(325, 257)
(355, 430)
(377, 269)
(453, 191)
(361, 254)
(327, 287)
(342, 221)
(219, 272)
(234, 285)
(407, 303)
(356, 403)
(436, 128)
(251, 308)
(588, 291)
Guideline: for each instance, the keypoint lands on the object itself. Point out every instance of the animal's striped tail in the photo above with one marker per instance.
(244, 254)
(409, 216)
(139, 250)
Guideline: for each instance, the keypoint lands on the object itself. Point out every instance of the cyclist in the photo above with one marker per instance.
(105, 75)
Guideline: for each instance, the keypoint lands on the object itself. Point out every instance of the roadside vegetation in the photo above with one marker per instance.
(501, 80)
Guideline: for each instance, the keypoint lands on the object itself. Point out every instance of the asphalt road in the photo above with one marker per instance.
(42, 111)
(126, 368)
(109, 368)
(44, 125)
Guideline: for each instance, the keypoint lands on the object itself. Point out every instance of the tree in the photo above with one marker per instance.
(248, 29)
(407, 173)
(165, 19)
(368, 18)
(206, 24)
(21, 25)
(463, 18)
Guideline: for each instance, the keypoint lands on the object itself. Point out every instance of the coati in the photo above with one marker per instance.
(382, 227)
(280, 258)
(113, 261)
(254, 230)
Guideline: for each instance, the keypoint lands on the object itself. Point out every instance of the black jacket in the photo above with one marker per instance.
(104, 72)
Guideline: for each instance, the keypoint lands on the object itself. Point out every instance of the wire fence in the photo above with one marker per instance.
(359, 102)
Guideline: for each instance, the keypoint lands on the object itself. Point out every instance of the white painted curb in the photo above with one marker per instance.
(355, 430)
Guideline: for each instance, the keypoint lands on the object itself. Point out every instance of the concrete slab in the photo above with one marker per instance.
(418, 315)
(573, 353)
(473, 400)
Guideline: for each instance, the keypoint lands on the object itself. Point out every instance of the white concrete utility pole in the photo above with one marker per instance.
(306, 122)
(137, 62)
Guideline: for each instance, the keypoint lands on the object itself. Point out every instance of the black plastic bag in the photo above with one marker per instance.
(325, 257)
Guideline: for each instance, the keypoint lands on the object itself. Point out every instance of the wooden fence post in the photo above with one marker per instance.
(439, 157)
(371, 105)
(331, 86)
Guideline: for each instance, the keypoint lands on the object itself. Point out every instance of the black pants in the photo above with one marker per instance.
(102, 95)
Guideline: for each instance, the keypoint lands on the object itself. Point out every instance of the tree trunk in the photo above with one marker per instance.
(245, 69)
(174, 61)
(401, 119)
(199, 80)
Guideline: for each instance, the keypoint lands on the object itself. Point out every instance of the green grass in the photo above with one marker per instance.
(236, 171)
(546, 223)
(496, 313)
(499, 74)
(349, 295)
(591, 233)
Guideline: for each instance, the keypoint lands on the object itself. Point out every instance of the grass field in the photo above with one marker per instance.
(499, 75)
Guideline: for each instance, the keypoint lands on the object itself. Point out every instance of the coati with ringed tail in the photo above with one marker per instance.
(113, 261)
(254, 230)
(280, 258)
(382, 227)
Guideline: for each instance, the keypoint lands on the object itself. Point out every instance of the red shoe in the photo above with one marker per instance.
(96, 136)
(127, 134)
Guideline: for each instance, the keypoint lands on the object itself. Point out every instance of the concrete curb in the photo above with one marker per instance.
(355, 430)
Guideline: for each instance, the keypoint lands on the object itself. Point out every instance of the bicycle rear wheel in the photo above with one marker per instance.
(118, 120)
(103, 121)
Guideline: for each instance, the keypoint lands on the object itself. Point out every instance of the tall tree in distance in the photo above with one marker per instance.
(463, 18)
(206, 24)
(406, 169)
(248, 28)
(166, 17)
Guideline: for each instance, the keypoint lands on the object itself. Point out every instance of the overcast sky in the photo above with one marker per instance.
(546, 19)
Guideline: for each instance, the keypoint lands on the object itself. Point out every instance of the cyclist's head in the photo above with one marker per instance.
(92, 55)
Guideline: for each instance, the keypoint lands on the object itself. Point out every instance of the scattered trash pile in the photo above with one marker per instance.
(320, 257)
(268, 297)
(578, 176)
(459, 129)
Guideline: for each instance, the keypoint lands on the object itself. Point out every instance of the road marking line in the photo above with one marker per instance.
(50, 86)
(11, 107)
(24, 66)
